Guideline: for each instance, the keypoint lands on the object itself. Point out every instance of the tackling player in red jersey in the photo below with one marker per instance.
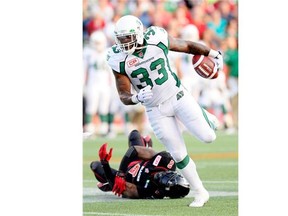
(143, 173)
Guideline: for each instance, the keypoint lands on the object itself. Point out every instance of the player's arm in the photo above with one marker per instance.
(145, 153)
(135, 153)
(131, 191)
(124, 90)
(190, 47)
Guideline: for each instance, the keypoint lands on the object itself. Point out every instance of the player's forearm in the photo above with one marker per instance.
(144, 153)
(126, 98)
(189, 47)
(198, 49)
(131, 191)
(108, 173)
(130, 155)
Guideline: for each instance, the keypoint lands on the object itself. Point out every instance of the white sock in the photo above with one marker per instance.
(191, 175)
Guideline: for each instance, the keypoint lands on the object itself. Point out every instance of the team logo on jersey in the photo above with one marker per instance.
(132, 62)
(134, 170)
(157, 160)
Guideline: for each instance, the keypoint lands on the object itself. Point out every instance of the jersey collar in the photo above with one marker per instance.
(141, 53)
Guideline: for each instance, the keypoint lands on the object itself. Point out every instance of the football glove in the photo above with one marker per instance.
(103, 155)
(218, 59)
(143, 96)
(119, 184)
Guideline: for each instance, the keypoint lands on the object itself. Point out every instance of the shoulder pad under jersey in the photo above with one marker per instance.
(114, 57)
(155, 35)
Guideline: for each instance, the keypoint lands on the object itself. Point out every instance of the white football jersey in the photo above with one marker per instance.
(150, 66)
(96, 65)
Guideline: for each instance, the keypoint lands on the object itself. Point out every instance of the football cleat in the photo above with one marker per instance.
(200, 199)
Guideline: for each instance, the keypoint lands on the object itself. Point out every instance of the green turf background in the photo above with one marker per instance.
(217, 165)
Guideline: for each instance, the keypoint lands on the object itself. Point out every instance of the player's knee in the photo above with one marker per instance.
(209, 137)
(134, 139)
(179, 154)
(95, 165)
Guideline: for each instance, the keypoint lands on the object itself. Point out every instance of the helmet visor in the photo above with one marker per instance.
(126, 42)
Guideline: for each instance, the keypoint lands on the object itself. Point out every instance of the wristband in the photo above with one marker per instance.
(134, 99)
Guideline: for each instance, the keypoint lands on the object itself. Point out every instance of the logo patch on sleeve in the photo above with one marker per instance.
(171, 163)
(157, 160)
(134, 170)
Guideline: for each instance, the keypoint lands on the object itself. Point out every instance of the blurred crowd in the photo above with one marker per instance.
(211, 22)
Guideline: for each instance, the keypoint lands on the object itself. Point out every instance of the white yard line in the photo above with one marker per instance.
(115, 214)
(221, 182)
(94, 195)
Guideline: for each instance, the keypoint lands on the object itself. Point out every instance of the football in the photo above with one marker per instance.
(204, 66)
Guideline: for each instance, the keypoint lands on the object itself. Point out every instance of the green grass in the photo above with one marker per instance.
(217, 165)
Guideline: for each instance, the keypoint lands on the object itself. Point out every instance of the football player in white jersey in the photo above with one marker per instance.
(140, 59)
(97, 89)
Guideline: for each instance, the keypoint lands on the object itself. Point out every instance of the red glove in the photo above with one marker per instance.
(119, 185)
(103, 155)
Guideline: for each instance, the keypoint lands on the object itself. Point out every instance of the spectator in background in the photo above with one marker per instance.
(124, 7)
(231, 61)
(189, 78)
(232, 28)
(144, 11)
(96, 22)
(217, 24)
(183, 16)
(109, 29)
(106, 8)
(210, 39)
(198, 19)
(225, 8)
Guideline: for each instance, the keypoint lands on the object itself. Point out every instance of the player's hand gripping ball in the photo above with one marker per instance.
(205, 66)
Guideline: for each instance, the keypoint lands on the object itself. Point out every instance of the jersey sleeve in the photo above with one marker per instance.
(116, 59)
(156, 35)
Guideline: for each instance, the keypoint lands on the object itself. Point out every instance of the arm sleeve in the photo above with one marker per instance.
(130, 156)
(108, 172)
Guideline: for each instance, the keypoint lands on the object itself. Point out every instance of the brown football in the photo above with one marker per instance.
(204, 66)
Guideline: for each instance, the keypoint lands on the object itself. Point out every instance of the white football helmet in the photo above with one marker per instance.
(98, 41)
(128, 33)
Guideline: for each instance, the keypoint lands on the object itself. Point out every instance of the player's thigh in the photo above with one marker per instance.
(166, 129)
(104, 104)
(194, 119)
(92, 100)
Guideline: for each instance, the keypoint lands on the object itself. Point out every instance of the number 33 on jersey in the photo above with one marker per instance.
(148, 66)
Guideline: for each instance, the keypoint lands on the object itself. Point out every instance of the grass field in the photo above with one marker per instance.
(217, 165)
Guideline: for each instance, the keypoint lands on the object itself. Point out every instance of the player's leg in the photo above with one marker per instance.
(92, 96)
(99, 174)
(136, 139)
(168, 132)
(104, 103)
(197, 120)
